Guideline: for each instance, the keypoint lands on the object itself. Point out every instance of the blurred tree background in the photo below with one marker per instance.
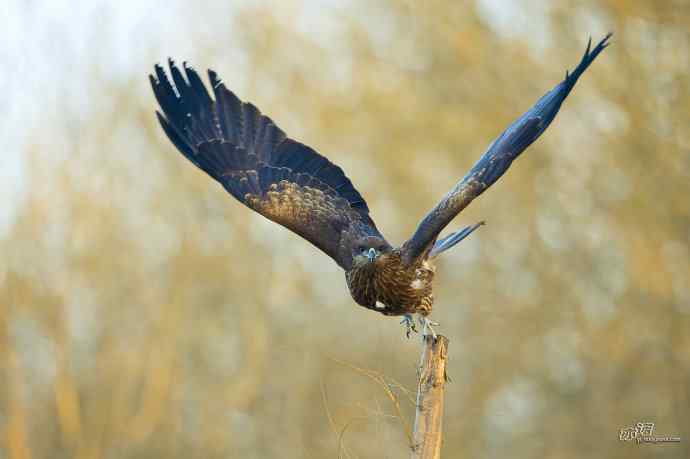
(145, 314)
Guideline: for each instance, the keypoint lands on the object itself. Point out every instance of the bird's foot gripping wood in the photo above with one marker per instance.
(410, 326)
(427, 324)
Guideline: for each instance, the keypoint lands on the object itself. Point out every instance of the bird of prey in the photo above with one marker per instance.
(293, 185)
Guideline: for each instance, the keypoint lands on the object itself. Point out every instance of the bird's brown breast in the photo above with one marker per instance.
(391, 287)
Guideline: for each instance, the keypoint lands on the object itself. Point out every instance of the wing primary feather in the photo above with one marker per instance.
(198, 86)
(227, 107)
(176, 139)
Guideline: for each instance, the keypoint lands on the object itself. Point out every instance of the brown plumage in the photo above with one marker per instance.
(295, 186)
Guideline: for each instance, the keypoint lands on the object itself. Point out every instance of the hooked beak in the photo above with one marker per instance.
(371, 254)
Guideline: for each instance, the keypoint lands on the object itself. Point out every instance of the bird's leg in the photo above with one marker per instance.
(426, 323)
(410, 326)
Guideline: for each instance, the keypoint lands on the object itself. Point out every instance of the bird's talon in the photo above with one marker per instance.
(427, 323)
(408, 321)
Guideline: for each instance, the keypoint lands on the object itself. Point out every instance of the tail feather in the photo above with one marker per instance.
(452, 239)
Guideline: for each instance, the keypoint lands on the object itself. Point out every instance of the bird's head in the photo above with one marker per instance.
(368, 249)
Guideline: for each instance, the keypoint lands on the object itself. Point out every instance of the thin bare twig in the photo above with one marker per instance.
(380, 379)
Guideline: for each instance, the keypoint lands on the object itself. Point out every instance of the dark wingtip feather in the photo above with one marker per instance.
(153, 81)
(547, 107)
(213, 78)
(160, 74)
(588, 57)
(179, 141)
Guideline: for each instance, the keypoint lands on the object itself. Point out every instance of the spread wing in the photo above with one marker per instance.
(493, 164)
(255, 161)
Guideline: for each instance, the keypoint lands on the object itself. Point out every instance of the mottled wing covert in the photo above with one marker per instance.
(255, 161)
(500, 155)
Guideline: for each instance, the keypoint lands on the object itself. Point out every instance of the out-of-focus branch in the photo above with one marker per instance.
(428, 426)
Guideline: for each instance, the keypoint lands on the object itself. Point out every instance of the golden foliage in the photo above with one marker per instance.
(144, 313)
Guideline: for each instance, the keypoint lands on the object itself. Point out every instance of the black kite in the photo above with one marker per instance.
(293, 185)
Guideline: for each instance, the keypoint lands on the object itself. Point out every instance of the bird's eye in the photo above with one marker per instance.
(361, 248)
